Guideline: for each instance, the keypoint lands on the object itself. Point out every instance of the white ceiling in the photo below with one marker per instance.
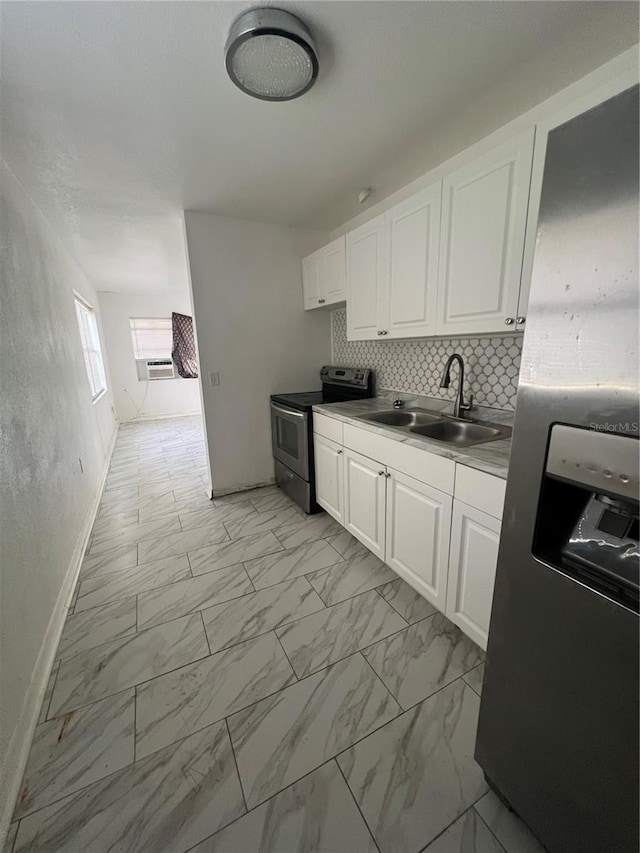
(116, 116)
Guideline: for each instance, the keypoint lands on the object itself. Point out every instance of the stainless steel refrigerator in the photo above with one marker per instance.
(558, 728)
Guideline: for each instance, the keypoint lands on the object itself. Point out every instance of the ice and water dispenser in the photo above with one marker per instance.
(587, 524)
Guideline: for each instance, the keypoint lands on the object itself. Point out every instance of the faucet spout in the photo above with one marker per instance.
(459, 404)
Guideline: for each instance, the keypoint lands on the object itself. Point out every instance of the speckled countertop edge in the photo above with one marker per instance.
(492, 457)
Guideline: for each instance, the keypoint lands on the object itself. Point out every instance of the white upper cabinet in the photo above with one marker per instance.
(365, 279)
(311, 280)
(484, 217)
(334, 272)
(408, 304)
(392, 271)
(448, 260)
(323, 275)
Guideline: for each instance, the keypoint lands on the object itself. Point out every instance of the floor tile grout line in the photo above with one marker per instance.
(449, 825)
(386, 687)
(96, 781)
(206, 635)
(15, 837)
(353, 651)
(500, 844)
(55, 681)
(262, 802)
(220, 719)
(284, 651)
(130, 594)
(135, 723)
(401, 630)
(357, 805)
(439, 690)
(235, 761)
(137, 683)
(374, 730)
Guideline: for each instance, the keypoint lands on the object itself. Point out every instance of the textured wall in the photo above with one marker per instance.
(492, 364)
(246, 281)
(47, 421)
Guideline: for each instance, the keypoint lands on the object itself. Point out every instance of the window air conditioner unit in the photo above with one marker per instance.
(162, 369)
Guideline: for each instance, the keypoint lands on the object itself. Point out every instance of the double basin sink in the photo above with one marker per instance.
(439, 427)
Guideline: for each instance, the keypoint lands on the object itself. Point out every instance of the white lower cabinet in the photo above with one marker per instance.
(418, 522)
(475, 536)
(442, 546)
(365, 500)
(329, 476)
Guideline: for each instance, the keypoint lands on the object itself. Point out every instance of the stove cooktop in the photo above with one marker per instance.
(303, 400)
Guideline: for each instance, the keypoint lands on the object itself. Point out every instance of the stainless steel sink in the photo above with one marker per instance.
(439, 427)
(399, 418)
(462, 433)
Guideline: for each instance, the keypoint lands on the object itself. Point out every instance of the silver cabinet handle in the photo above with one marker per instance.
(379, 332)
(387, 475)
(520, 320)
(382, 332)
(381, 473)
(508, 321)
(339, 452)
(321, 301)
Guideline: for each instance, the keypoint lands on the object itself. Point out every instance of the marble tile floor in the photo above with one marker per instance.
(236, 676)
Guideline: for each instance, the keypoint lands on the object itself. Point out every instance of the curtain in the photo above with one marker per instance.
(184, 346)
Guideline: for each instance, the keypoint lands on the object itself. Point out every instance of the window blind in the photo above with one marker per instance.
(91, 349)
(151, 337)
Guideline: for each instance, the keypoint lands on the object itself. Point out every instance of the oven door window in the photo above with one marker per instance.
(288, 437)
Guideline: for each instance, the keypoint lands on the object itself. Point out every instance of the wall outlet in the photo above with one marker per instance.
(214, 378)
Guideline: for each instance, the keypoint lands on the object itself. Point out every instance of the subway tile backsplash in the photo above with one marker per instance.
(491, 364)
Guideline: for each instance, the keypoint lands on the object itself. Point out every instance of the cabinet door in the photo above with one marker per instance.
(418, 522)
(414, 239)
(365, 279)
(472, 570)
(334, 272)
(311, 274)
(329, 476)
(364, 500)
(484, 215)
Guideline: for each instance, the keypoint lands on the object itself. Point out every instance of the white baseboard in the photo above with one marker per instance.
(160, 417)
(18, 751)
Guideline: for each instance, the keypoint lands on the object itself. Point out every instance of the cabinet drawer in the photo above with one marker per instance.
(328, 427)
(433, 470)
(482, 491)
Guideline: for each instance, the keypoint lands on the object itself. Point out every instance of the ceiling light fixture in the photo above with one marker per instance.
(270, 55)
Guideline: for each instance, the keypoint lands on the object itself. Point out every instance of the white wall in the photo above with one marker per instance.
(247, 293)
(47, 421)
(134, 399)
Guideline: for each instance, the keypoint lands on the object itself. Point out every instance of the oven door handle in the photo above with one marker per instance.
(288, 411)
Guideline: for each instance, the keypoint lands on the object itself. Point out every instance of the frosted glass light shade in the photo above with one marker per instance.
(270, 55)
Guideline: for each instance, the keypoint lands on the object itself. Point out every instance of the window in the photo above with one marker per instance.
(91, 347)
(151, 336)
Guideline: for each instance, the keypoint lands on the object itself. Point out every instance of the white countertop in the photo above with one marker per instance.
(491, 457)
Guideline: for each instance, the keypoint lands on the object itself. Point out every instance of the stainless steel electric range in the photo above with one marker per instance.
(292, 428)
